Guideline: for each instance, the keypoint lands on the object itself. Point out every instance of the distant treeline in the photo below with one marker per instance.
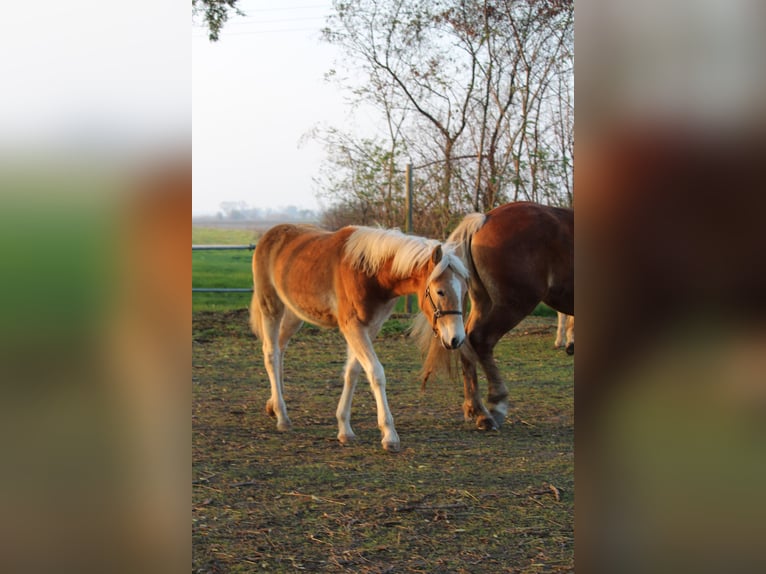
(241, 211)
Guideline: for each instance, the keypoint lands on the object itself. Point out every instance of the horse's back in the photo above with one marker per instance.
(300, 245)
(523, 221)
(297, 265)
(525, 253)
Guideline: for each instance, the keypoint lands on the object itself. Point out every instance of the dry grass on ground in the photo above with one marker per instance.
(454, 500)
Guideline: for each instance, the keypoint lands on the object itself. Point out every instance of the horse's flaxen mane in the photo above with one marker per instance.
(367, 248)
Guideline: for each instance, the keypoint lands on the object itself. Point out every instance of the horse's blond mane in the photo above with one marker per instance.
(367, 248)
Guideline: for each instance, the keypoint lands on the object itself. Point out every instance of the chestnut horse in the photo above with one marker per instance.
(349, 279)
(518, 254)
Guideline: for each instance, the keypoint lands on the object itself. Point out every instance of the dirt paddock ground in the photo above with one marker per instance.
(455, 499)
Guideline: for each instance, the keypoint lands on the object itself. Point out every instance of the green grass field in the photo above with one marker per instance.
(221, 268)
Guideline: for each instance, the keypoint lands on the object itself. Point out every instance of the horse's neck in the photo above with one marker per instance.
(414, 283)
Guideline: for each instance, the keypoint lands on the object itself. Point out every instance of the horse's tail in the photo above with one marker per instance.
(460, 238)
(437, 359)
(255, 308)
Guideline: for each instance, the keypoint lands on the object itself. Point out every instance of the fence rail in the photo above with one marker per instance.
(250, 247)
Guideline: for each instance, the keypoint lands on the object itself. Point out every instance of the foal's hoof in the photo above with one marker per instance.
(392, 446)
(284, 426)
(570, 349)
(347, 439)
(270, 409)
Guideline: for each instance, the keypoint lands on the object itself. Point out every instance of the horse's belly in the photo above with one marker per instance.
(318, 310)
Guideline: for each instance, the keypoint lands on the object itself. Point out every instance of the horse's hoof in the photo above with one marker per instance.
(284, 426)
(391, 446)
(570, 349)
(347, 439)
(499, 410)
(270, 409)
(498, 418)
(470, 413)
(486, 423)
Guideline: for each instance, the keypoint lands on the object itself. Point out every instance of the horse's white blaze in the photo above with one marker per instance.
(451, 326)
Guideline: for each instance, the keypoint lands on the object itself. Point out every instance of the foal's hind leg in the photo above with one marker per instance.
(343, 413)
(289, 326)
(277, 330)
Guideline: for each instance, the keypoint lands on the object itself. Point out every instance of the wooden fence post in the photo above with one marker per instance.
(408, 218)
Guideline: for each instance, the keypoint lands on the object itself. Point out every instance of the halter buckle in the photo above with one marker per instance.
(438, 313)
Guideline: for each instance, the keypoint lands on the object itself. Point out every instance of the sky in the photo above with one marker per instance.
(256, 92)
(82, 73)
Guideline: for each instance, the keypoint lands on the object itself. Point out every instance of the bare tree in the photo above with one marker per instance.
(477, 94)
(411, 46)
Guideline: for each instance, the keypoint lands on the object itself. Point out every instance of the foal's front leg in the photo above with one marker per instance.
(360, 344)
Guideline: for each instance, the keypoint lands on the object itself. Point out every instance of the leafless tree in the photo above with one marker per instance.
(477, 94)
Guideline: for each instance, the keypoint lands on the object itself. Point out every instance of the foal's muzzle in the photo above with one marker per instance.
(454, 342)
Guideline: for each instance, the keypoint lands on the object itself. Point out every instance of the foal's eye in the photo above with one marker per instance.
(440, 293)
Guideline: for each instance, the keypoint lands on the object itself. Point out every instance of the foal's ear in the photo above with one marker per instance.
(436, 256)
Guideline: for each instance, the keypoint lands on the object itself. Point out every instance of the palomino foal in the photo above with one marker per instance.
(349, 279)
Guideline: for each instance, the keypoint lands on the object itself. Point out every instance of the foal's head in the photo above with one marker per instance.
(442, 297)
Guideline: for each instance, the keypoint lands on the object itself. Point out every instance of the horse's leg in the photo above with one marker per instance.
(473, 406)
(360, 343)
(289, 326)
(570, 335)
(343, 412)
(497, 392)
(560, 329)
(484, 337)
(272, 358)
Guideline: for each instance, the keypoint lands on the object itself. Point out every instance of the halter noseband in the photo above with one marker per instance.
(438, 313)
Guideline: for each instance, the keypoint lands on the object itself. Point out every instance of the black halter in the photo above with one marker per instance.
(438, 313)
